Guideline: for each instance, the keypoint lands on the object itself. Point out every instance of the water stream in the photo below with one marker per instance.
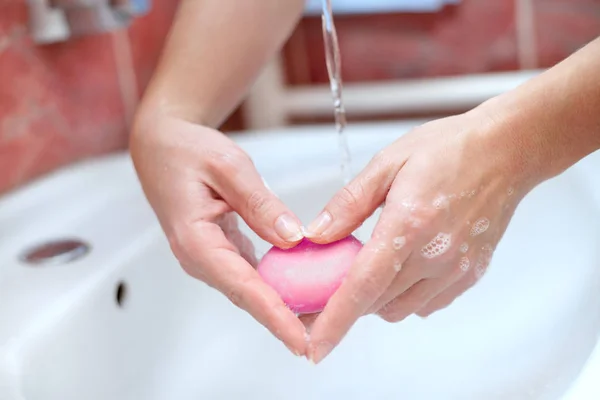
(334, 68)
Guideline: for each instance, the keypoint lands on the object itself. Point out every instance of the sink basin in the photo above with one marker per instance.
(124, 322)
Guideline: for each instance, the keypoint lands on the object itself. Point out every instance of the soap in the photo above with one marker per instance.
(307, 275)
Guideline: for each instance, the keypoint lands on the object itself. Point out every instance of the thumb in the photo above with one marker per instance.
(355, 202)
(239, 184)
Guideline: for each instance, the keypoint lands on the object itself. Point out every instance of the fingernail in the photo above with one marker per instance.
(318, 226)
(294, 352)
(319, 352)
(288, 229)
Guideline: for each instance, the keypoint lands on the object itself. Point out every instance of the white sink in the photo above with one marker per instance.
(527, 331)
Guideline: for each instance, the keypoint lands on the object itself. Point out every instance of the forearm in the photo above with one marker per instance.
(215, 50)
(553, 121)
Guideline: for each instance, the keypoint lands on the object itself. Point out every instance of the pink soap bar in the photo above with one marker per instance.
(307, 275)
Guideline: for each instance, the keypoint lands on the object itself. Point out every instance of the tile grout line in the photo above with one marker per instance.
(526, 35)
(126, 74)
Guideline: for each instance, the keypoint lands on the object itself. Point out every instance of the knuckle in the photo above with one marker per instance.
(420, 217)
(385, 160)
(427, 215)
(414, 302)
(236, 292)
(235, 296)
(369, 289)
(349, 198)
(258, 203)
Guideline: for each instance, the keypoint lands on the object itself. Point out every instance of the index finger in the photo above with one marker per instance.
(212, 257)
(246, 289)
(373, 271)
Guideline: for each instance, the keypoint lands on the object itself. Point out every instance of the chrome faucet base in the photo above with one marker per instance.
(54, 21)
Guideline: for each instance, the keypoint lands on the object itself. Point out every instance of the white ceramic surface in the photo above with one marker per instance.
(527, 331)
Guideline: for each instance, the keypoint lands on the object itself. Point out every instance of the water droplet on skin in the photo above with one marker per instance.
(414, 222)
(399, 242)
(397, 266)
(487, 251)
(480, 226)
(437, 246)
(441, 203)
(464, 264)
(464, 248)
(463, 193)
(408, 205)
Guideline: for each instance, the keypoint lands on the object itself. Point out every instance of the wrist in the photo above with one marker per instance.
(512, 147)
(539, 129)
(551, 122)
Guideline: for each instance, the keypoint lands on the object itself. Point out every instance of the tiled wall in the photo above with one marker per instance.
(66, 101)
(62, 102)
(475, 36)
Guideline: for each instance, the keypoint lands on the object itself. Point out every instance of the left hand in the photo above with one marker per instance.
(450, 188)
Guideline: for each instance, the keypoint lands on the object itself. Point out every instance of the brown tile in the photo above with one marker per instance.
(148, 35)
(564, 26)
(475, 36)
(58, 103)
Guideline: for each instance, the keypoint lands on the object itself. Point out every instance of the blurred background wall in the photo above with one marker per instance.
(66, 101)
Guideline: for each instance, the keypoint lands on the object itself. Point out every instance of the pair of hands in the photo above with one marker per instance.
(449, 187)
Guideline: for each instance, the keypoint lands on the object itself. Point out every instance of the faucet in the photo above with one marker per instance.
(54, 21)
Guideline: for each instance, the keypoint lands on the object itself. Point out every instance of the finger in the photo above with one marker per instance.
(234, 177)
(412, 299)
(405, 279)
(245, 247)
(368, 278)
(413, 272)
(472, 275)
(357, 201)
(210, 256)
(229, 224)
(447, 297)
(249, 292)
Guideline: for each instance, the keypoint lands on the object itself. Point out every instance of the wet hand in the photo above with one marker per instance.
(448, 189)
(195, 178)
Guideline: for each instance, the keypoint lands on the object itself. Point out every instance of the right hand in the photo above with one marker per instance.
(195, 178)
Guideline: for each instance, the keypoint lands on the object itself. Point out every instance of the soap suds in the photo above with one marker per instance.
(438, 246)
(464, 264)
(480, 226)
(397, 266)
(399, 242)
(441, 203)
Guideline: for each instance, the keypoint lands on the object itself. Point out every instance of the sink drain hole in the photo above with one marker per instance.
(121, 294)
(55, 252)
